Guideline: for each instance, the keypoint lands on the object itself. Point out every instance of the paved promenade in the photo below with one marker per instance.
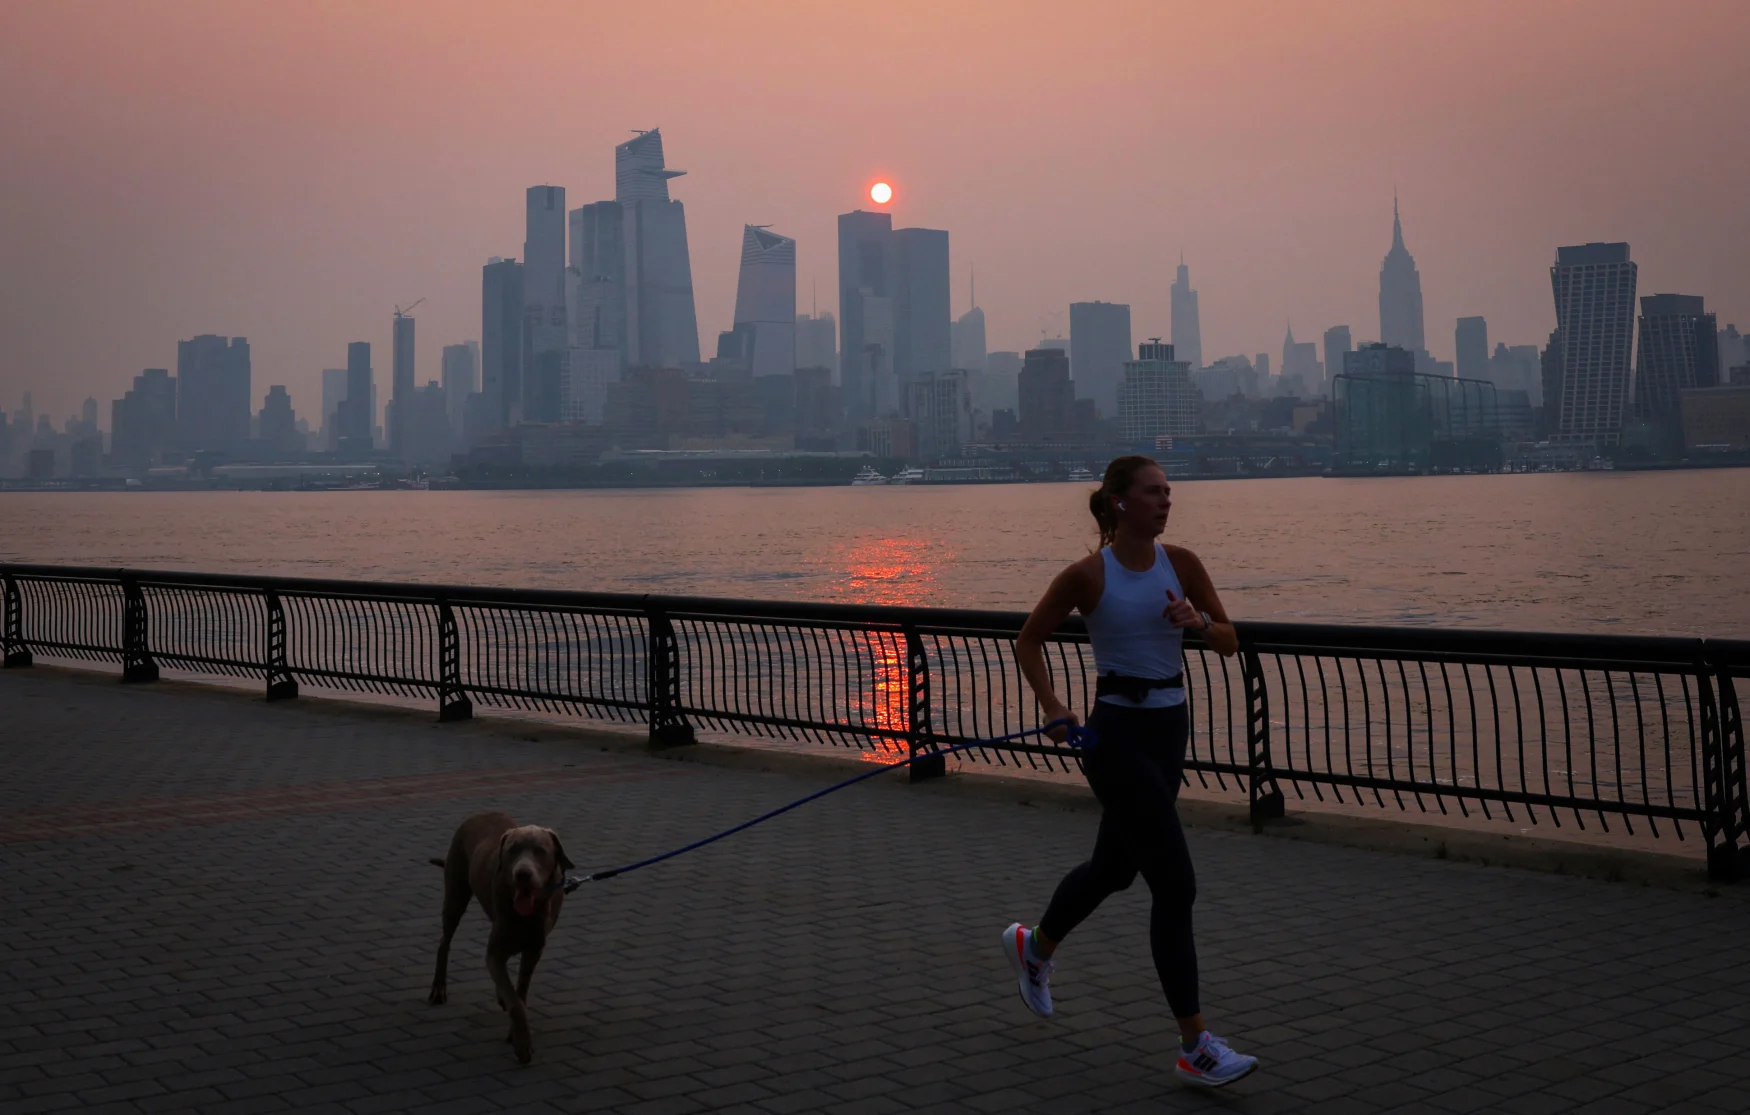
(213, 904)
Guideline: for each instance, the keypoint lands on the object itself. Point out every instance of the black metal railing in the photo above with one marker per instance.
(1576, 730)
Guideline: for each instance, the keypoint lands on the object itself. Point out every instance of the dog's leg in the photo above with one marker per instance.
(531, 957)
(455, 905)
(497, 966)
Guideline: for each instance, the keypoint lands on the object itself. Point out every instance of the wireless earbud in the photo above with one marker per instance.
(1120, 506)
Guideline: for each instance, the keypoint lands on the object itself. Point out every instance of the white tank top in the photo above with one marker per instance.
(1130, 633)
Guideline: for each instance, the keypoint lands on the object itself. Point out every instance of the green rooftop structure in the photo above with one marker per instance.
(1392, 419)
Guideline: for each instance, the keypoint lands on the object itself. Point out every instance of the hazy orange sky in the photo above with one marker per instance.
(291, 171)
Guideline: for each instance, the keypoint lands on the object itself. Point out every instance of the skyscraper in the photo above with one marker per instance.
(1337, 342)
(357, 410)
(400, 382)
(966, 340)
(142, 423)
(922, 303)
(1156, 397)
(1048, 395)
(1187, 329)
(1301, 374)
(212, 392)
(546, 336)
(461, 379)
(501, 341)
(1679, 348)
(817, 341)
(1471, 342)
(333, 394)
(662, 329)
(1594, 287)
(598, 272)
(865, 353)
(278, 423)
(1400, 293)
(765, 301)
(1099, 347)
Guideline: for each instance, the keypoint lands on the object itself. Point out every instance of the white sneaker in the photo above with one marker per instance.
(1032, 973)
(1212, 1064)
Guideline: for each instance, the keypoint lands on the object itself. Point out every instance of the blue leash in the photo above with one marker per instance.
(1078, 737)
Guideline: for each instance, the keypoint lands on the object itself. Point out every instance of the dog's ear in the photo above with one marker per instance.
(559, 851)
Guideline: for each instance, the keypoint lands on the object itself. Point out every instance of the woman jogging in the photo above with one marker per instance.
(1138, 597)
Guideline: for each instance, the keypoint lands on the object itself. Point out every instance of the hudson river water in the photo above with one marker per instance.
(1649, 552)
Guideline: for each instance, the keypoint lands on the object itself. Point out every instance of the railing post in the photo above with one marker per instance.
(281, 686)
(920, 726)
(1265, 797)
(12, 633)
(137, 664)
(662, 675)
(453, 702)
(1724, 794)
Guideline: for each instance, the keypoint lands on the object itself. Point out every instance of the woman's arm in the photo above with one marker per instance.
(1200, 596)
(1069, 590)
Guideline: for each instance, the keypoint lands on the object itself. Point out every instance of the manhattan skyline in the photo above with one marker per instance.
(300, 208)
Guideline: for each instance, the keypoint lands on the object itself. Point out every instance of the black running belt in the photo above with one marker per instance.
(1134, 689)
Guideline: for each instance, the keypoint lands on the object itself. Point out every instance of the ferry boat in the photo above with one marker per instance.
(1081, 476)
(908, 476)
(867, 476)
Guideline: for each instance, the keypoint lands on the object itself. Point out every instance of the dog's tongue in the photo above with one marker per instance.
(524, 903)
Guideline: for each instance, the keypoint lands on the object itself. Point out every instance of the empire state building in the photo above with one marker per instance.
(1400, 293)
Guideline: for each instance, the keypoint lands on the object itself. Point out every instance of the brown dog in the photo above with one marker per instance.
(518, 873)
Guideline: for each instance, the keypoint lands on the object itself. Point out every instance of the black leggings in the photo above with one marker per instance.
(1134, 769)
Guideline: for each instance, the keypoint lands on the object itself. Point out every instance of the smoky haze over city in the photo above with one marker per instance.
(291, 174)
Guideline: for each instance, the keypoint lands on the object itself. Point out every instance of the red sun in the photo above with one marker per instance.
(881, 193)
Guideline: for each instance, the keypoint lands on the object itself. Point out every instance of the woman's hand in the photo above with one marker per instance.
(1182, 613)
(1059, 711)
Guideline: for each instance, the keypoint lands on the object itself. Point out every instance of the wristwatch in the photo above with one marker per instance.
(1207, 622)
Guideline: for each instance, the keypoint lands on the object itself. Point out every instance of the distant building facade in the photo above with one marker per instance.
(817, 342)
(1594, 286)
(939, 405)
(662, 328)
(1716, 418)
(142, 423)
(1047, 394)
(546, 337)
(967, 341)
(1187, 326)
(277, 424)
(1099, 347)
(461, 378)
(1156, 398)
(1679, 349)
(865, 311)
(765, 301)
(400, 382)
(922, 304)
(213, 392)
(1471, 347)
(357, 410)
(1338, 342)
(501, 342)
(1400, 294)
(1302, 375)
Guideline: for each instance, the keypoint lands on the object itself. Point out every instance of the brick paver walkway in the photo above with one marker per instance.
(215, 904)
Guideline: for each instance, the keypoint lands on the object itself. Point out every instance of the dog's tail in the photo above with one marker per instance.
(435, 862)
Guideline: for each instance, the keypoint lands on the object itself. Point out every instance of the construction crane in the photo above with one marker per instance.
(403, 311)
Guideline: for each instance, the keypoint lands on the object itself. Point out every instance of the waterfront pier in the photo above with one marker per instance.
(215, 903)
